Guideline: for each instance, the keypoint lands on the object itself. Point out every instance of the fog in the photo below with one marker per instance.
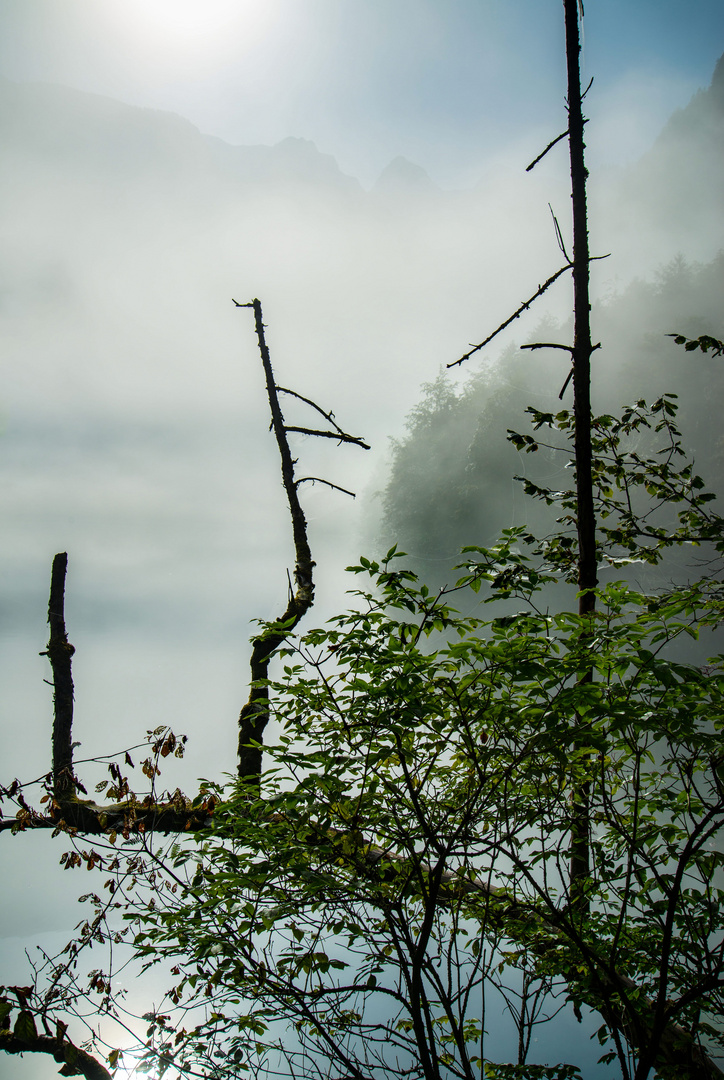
(384, 219)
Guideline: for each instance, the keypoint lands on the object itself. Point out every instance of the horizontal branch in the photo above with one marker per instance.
(76, 1062)
(126, 819)
(319, 480)
(548, 345)
(565, 348)
(339, 436)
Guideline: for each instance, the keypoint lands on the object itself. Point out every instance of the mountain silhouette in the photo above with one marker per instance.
(673, 192)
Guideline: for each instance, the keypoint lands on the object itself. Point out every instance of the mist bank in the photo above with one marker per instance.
(126, 231)
(135, 431)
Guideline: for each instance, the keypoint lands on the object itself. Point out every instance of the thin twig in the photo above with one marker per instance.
(559, 234)
(565, 384)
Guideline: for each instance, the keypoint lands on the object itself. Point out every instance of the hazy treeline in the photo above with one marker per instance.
(450, 478)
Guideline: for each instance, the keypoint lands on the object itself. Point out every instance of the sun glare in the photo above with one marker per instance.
(192, 24)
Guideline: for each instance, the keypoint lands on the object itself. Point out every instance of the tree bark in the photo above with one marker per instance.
(582, 346)
(580, 862)
(59, 653)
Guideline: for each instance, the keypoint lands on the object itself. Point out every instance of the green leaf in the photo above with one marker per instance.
(25, 1029)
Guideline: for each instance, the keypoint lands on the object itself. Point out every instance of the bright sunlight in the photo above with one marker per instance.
(199, 26)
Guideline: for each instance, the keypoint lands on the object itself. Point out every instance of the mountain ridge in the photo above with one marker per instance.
(50, 120)
(47, 119)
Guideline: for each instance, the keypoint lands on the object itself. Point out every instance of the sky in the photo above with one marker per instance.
(446, 83)
(134, 432)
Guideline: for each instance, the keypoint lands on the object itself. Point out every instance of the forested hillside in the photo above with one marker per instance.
(450, 478)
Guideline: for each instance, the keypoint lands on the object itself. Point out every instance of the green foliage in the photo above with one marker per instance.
(24, 1028)
(412, 844)
(703, 343)
(645, 502)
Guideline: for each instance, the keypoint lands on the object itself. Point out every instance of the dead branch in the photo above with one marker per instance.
(255, 713)
(64, 810)
(548, 345)
(340, 436)
(319, 480)
(566, 348)
(329, 416)
(523, 307)
(550, 146)
(559, 235)
(563, 389)
(75, 1062)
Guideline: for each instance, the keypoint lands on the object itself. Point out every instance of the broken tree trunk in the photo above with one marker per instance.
(59, 652)
(254, 715)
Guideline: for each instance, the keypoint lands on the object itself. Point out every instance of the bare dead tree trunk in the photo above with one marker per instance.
(254, 715)
(582, 345)
(581, 351)
(59, 653)
(580, 862)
